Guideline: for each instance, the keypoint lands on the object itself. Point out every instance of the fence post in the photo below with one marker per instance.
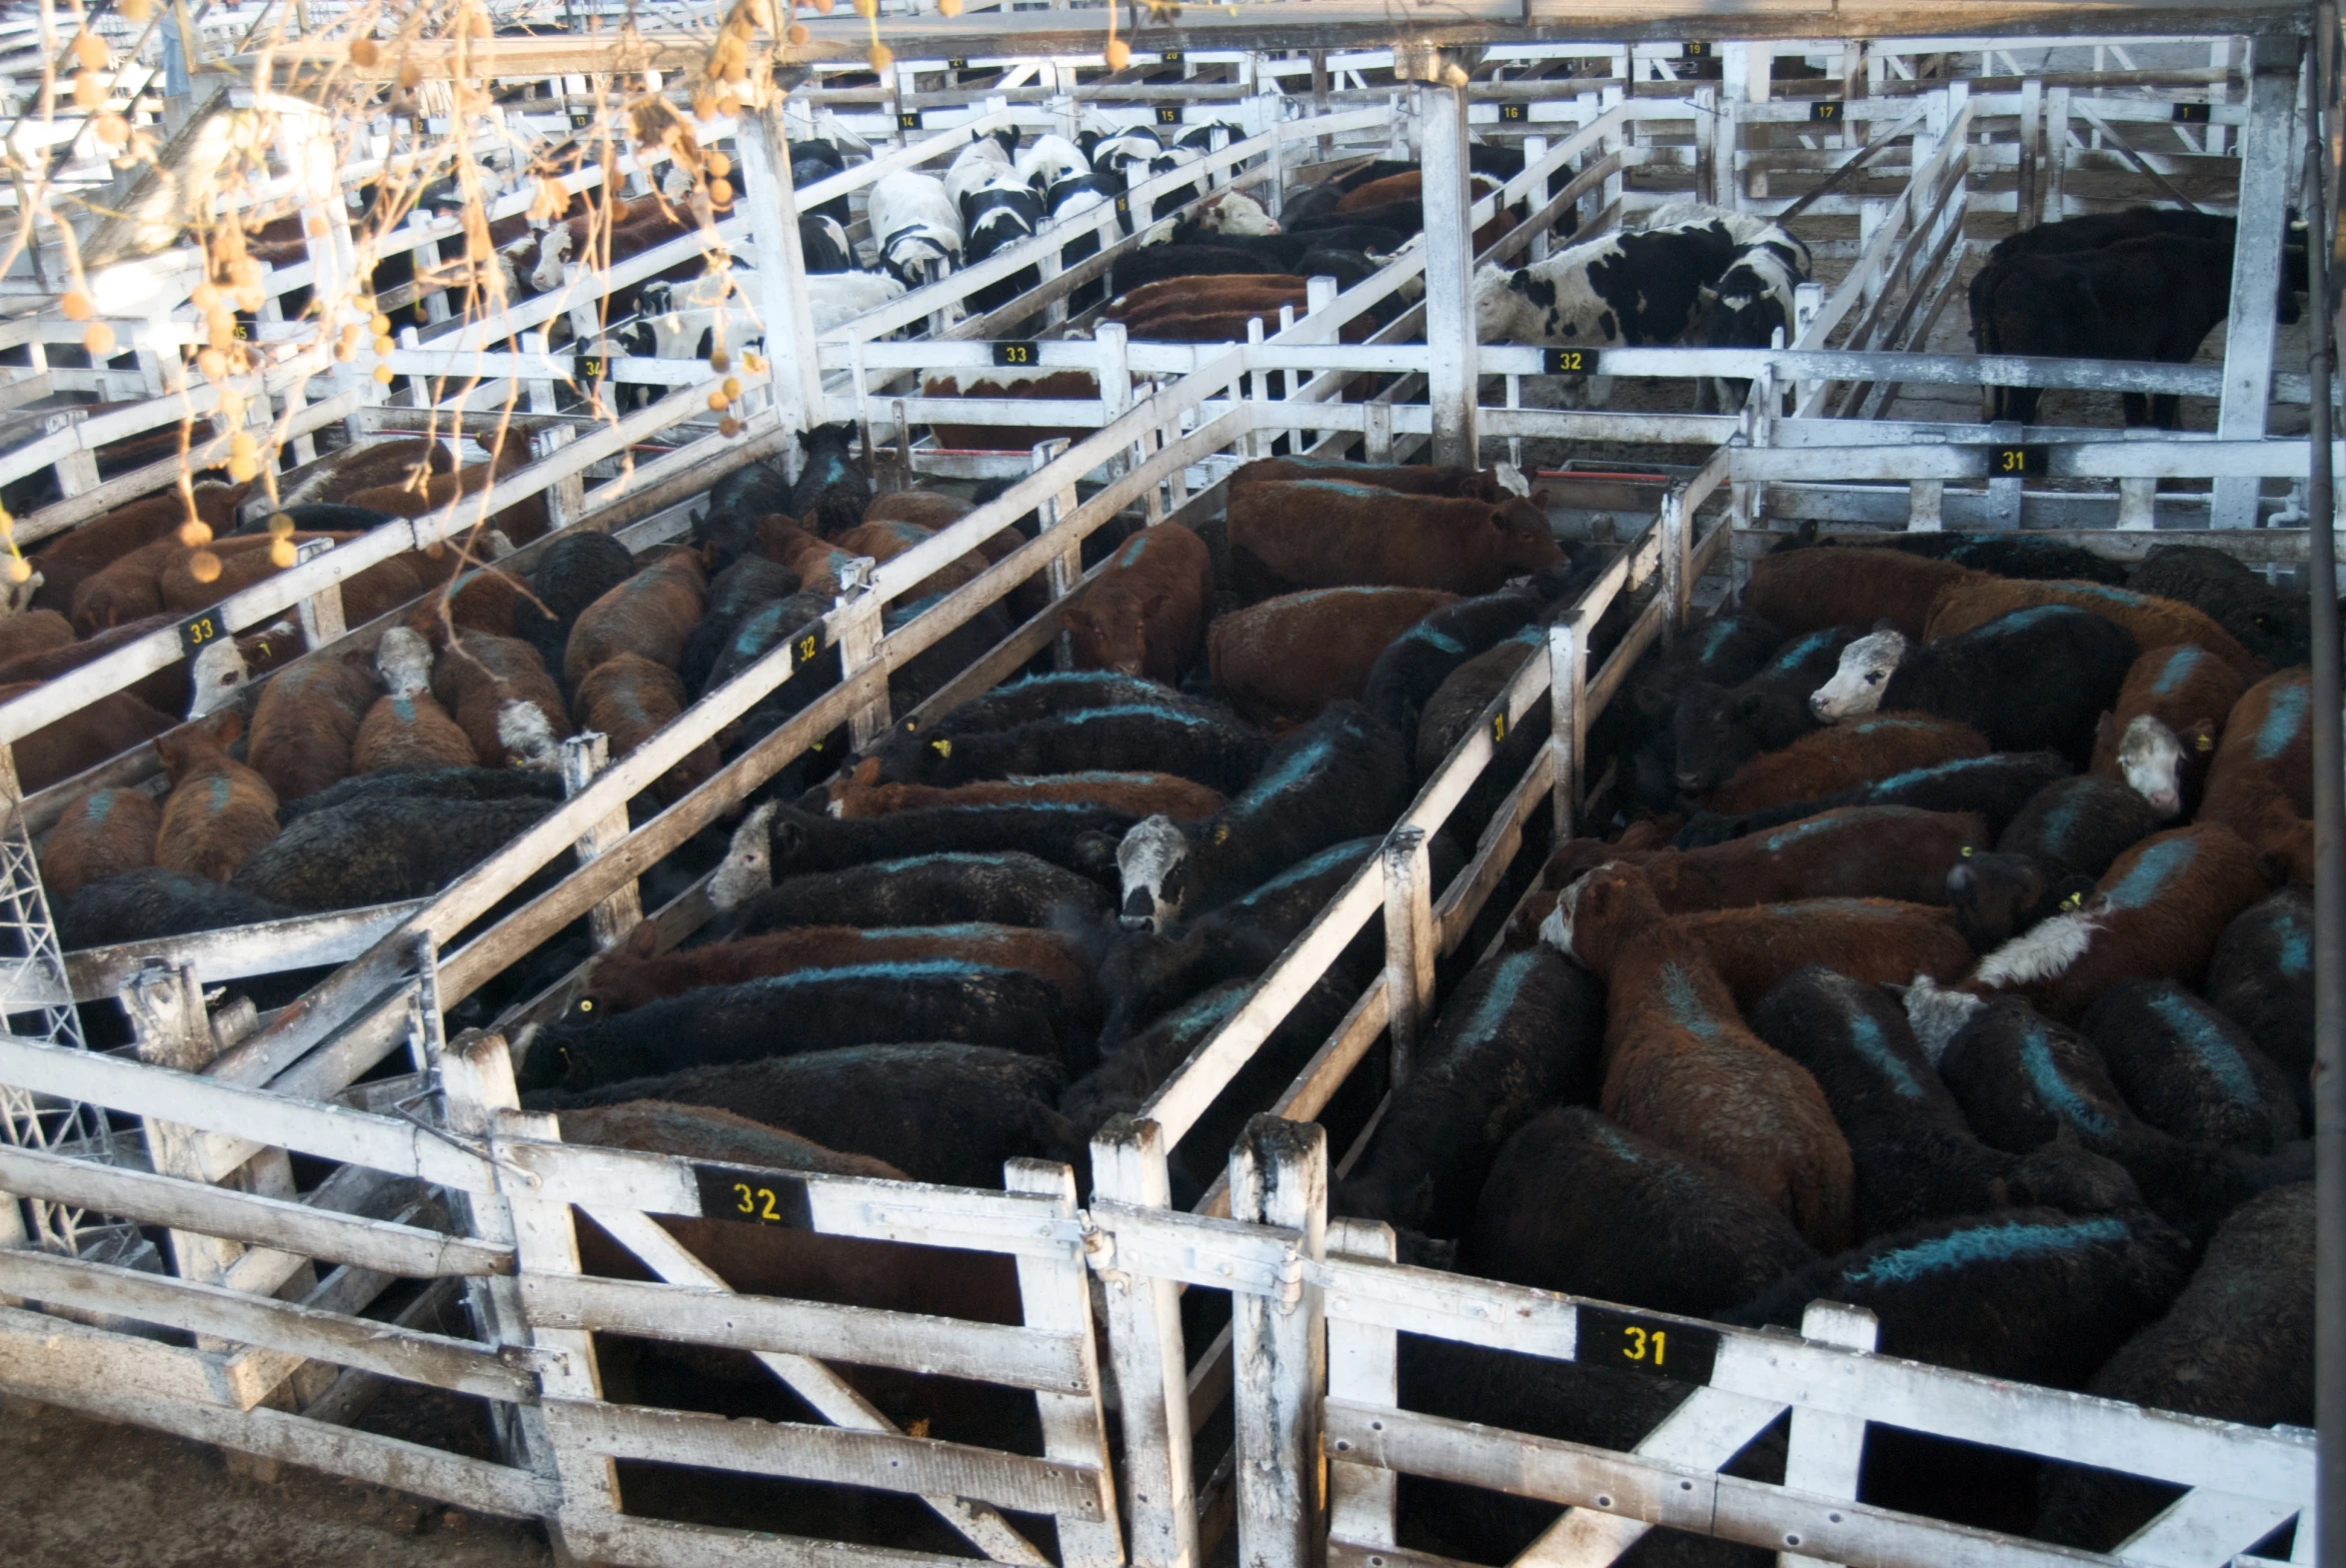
(1673, 560)
(2057, 154)
(478, 1101)
(1927, 502)
(1824, 1449)
(1116, 379)
(1377, 432)
(320, 613)
(1568, 694)
(2003, 494)
(2138, 501)
(565, 497)
(1065, 568)
(1409, 941)
(621, 910)
(1279, 1176)
(2024, 179)
(1152, 1368)
(1056, 1297)
(858, 642)
(2265, 191)
(1452, 377)
(1364, 1366)
(773, 205)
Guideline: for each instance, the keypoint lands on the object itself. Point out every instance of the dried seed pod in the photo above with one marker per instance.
(204, 566)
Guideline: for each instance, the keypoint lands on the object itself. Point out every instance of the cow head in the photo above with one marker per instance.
(2151, 758)
(220, 670)
(1856, 687)
(1110, 629)
(1995, 897)
(1716, 730)
(1509, 306)
(553, 250)
(1937, 1016)
(1529, 542)
(748, 868)
(404, 661)
(1157, 871)
(528, 736)
(1601, 914)
(1556, 930)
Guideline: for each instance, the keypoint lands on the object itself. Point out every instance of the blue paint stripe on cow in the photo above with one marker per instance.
(1348, 488)
(2003, 1243)
(1507, 989)
(1716, 638)
(98, 807)
(2284, 719)
(900, 969)
(2177, 670)
(1422, 633)
(1793, 654)
(1870, 726)
(1292, 770)
(2022, 619)
(1326, 861)
(2294, 953)
(1685, 1000)
(1618, 1145)
(1866, 1036)
(2150, 875)
(2061, 820)
(1916, 775)
(1086, 716)
(2058, 1095)
(220, 792)
(403, 710)
(2208, 1042)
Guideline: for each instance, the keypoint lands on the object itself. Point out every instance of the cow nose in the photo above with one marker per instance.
(1134, 922)
(1688, 780)
(1959, 879)
(1816, 705)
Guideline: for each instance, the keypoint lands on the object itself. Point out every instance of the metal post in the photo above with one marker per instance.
(2256, 265)
(1279, 1176)
(773, 205)
(1452, 374)
(1567, 697)
(2329, 851)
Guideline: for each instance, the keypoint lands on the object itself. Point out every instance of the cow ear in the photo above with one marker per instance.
(642, 942)
(1097, 852)
(1522, 281)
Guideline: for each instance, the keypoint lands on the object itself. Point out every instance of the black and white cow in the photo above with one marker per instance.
(823, 244)
(1632, 289)
(916, 226)
(1752, 301)
(1110, 148)
(1051, 161)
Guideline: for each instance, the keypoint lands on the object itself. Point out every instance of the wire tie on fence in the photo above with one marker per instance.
(483, 1149)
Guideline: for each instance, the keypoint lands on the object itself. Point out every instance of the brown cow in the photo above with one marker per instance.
(1410, 478)
(1876, 940)
(630, 699)
(479, 677)
(650, 614)
(103, 832)
(368, 464)
(1055, 386)
(2162, 735)
(1178, 295)
(1682, 1068)
(32, 632)
(219, 812)
(408, 728)
(306, 724)
(1853, 851)
(520, 523)
(1283, 660)
(857, 791)
(1146, 610)
(2260, 783)
(1332, 533)
(1841, 757)
(2154, 622)
(1811, 590)
(64, 561)
(94, 734)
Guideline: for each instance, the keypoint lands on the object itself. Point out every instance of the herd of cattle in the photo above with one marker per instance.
(1956, 965)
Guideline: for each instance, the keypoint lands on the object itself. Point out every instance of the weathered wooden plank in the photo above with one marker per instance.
(273, 1121)
(248, 1217)
(37, 1349)
(264, 948)
(825, 1453)
(325, 1336)
(950, 1347)
(661, 1543)
(272, 1434)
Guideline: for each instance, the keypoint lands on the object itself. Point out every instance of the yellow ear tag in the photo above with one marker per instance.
(2075, 901)
(586, 1005)
(1221, 835)
(941, 748)
(1967, 851)
(2203, 743)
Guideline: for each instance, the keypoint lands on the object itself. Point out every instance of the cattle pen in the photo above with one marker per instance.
(247, 1224)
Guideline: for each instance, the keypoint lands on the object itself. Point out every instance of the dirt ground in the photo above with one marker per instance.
(77, 1492)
